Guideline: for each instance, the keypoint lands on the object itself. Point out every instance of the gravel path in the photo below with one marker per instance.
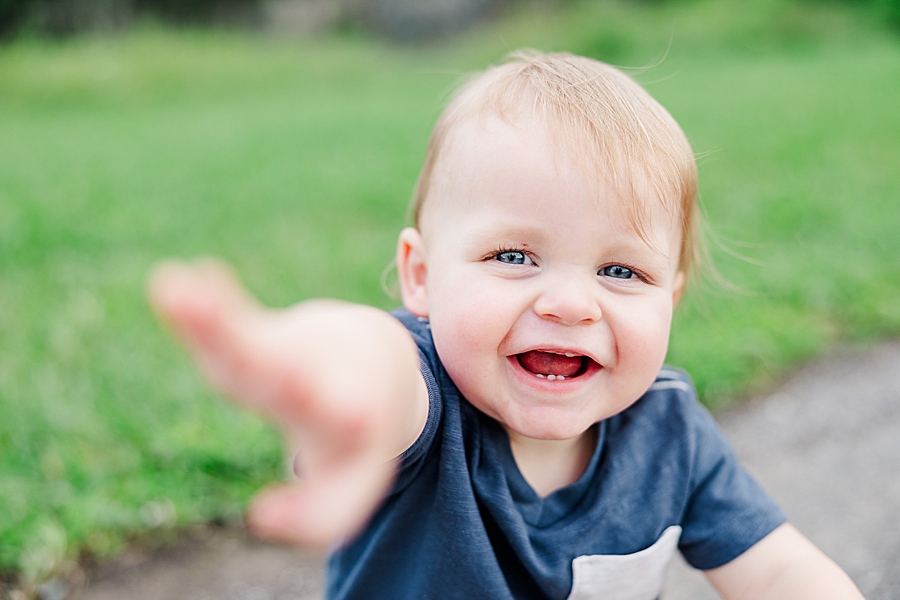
(825, 444)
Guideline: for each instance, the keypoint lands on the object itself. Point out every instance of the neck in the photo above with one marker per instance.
(549, 465)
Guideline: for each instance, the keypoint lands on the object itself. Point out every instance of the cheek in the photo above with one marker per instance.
(467, 308)
(642, 339)
(468, 350)
(469, 324)
(465, 328)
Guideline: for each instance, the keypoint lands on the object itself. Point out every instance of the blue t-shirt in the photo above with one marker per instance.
(462, 522)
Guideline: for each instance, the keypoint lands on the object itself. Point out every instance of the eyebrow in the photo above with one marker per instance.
(626, 247)
(509, 233)
(538, 233)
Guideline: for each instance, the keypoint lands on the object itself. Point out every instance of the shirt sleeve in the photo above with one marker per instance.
(727, 511)
(410, 462)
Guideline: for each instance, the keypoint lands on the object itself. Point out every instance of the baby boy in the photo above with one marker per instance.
(511, 432)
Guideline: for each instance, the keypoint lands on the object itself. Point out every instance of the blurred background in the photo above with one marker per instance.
(286, 136)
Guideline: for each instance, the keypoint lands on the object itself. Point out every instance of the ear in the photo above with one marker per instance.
(678, 287)
(413, 272)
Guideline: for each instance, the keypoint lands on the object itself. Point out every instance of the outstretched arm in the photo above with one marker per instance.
(784, 565)
(341, 379)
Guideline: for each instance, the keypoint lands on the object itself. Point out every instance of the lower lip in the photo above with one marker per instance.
(556, 385)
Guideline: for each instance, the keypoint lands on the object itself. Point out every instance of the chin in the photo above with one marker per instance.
(549, 427)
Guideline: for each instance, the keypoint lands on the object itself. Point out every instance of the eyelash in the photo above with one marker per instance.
(635, 272)
(492, 255)
(501, 249)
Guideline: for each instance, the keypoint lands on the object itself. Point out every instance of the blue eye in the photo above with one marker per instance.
(513, 257)
(617, 272)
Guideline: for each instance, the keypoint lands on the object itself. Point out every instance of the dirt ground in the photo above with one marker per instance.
(825, 444)
(209, 564)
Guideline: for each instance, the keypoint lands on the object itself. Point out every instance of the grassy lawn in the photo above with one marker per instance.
(293, 160)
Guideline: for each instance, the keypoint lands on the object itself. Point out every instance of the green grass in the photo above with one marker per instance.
(294, 160)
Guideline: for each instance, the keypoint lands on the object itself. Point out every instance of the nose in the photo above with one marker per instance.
(569, 300)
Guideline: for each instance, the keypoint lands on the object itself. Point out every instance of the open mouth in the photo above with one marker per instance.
(554, 366)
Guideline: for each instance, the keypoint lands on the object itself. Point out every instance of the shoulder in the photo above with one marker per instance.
(439, 390)
(420, 330)
(671, 392)
(654, 443)
(669, 407)
(418, 327)
(669, 426)
(725, 510)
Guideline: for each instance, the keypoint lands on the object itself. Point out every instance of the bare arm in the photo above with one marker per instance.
(341, 379)
(784, 565)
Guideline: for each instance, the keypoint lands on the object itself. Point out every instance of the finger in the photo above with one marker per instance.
(324, 512)
(193, 297)
(289, 364)
(219, 324)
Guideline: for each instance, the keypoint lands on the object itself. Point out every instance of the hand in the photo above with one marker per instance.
(341, 379)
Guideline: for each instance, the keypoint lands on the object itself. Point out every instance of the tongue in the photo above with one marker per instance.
(547, 363)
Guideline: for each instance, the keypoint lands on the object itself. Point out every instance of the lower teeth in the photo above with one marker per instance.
(551, 377)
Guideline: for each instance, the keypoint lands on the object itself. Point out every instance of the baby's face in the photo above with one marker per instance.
(548, 310)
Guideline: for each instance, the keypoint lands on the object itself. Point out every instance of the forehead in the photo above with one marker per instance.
(500, 160)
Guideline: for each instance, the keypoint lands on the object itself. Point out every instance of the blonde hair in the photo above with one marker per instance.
(601, 115)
